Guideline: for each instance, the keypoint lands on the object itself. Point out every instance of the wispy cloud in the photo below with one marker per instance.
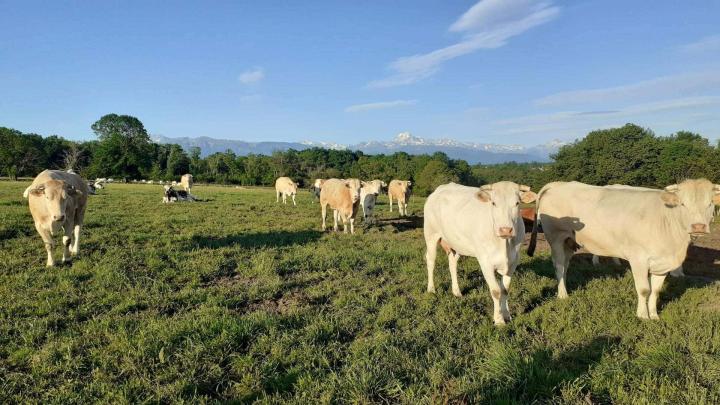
(667, 86)
(707, 44)
(251, 76)
(379, 105)
(488, 24)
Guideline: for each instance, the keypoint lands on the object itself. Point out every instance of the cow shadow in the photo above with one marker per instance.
(255, 240)
(541, 375)
(402, 224)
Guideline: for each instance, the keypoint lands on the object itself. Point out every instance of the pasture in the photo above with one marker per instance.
(239, 298)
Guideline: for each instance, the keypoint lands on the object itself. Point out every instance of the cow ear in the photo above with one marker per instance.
(483, 196)
(362, 183)
(524, 187)
(670, 199)
(36, 191)
(528, 196)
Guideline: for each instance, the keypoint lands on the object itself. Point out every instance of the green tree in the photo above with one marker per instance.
(125, 148)
(435, 173)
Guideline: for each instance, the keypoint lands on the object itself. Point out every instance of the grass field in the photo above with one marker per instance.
(239, 298)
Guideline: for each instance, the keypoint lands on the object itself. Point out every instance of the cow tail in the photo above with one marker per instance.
(533, 236)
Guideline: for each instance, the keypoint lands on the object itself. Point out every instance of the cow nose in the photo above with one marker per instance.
(505, 232)
(698, 228)
(58, 218)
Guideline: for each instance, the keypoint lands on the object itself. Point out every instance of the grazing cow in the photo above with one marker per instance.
(480, 222)
(186, 181)
(651, 229)
(286, 187)
(57, 199)
(343, 197)
(400, 190)
(368, 196)
(172, 195)
(316, 187)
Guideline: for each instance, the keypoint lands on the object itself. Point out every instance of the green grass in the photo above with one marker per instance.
(238, 298)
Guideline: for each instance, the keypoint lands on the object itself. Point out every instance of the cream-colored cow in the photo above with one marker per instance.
(186, 181)
(343, 197)
(368, 196)
(651, 229)
(286, 187)
(400, 190)
(57, 200)
(480, 222)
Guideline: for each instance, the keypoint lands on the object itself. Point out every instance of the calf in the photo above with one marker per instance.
(57, 199)
(343, 197)
(172, 195)
(480, 222)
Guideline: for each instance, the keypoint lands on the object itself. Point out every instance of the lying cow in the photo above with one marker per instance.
(286, 187)
(57, 199)
(480, 222)
(400, 190)
(172, 195)
(368, 196)
(651, 229)
(343, 197)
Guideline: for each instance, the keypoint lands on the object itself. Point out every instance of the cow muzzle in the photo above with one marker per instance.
(505, 232)
(699, 229)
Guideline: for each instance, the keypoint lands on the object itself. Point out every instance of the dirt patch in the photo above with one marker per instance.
(282, 305)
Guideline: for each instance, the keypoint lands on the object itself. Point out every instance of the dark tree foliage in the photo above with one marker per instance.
(628, 155)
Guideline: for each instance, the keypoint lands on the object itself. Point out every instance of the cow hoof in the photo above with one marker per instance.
(499, 322)
(562, 295)
(457, 293)
(431, 290)
(642, 315)
(655, 317)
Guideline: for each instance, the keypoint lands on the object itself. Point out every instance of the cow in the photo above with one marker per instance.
(479, 222)
(57, 199)
(343, 197)
(316, 187)
(186, 181)
(368, 196)
(651, 229)
(172, 195)
(286, 187)
(400, 190)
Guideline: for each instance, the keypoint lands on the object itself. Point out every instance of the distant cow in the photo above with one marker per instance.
(480, 222)
(286, 187)
(343, 197)
(57, 199)
(651, 229)
(172, 195)
(400, 190)
(368, 196)
(186, 181)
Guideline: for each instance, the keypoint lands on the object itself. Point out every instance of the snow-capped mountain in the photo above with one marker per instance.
(472, 152)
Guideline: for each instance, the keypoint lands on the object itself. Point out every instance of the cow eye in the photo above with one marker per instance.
(517, 203)
(494, 205)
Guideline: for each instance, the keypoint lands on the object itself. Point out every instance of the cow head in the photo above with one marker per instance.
(354, 185)
(694, 201)
(56, 194)
(505, 198)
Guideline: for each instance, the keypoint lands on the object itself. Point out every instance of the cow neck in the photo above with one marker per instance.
(672, 226)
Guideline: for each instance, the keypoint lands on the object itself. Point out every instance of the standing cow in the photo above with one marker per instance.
(400, 190)
(57, 199)
(286, 187)
(368, 197)
(343, 197)
(480, 222)
(651, 229)
(186, 181)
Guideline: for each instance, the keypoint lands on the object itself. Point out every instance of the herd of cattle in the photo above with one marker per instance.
(650, 228)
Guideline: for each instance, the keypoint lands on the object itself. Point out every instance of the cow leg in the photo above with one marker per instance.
(504, 288)
(335, 220)
(402, 207)
(656, 282)
(390, 198)
(67, 241)
(75, 248)
(352, 226)
(495, 291)
(49, 244)
(558, 256)
(277, 196)
(323, 208)
(431, 242)
(642, 286)
(294, 203)
(453, 258)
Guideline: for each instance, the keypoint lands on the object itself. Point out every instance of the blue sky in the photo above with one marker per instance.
(497, 71)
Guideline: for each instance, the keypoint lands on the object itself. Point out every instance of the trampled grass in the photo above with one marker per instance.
(240, 298)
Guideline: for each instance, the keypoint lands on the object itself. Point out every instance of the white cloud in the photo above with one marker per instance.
(707, 44)
(379, 105)
(486, 25)
(667, 86)
(251, 76)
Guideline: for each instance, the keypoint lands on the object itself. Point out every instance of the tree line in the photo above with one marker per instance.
(123, 149)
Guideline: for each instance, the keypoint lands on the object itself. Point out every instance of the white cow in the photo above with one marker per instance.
(343, 197)
(286, 187)
(651, 229)
(480, 222)
(186, 181)
(400, 191)
(368, 197)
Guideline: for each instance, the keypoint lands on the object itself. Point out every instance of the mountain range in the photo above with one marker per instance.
(404, 142)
